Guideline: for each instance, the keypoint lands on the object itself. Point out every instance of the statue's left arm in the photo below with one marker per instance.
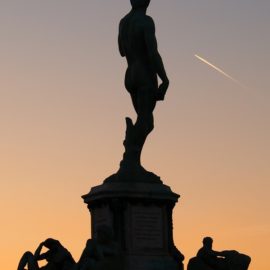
(154, 56)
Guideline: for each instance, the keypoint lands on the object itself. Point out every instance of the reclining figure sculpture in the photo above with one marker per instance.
(209, 259)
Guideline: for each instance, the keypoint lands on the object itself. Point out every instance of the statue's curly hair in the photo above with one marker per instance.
(207, 240)
(51, 243)
(140, 3)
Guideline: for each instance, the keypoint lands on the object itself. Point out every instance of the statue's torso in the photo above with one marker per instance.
(132, 37)
(132, 34)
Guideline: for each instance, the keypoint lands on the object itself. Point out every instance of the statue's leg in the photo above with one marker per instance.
(134, 100)
(28, 260)
(130, 85)
(146, 103)
(143, 95)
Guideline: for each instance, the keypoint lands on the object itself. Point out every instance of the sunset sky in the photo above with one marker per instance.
(62, 114)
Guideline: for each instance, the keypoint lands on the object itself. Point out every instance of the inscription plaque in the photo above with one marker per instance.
(147, 227)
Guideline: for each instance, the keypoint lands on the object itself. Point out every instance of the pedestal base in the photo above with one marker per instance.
(140, 215)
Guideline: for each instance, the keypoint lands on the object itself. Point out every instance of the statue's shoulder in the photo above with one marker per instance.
(145, 19)
(149, 23)
(126, 18)
(149, 19)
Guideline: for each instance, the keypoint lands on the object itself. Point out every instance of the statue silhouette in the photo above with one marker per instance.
(57, 256)
(137, 42)
(209, 259)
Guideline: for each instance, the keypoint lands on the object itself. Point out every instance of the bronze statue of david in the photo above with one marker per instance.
(137, 42)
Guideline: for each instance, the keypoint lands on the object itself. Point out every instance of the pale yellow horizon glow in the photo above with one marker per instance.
(219, 70)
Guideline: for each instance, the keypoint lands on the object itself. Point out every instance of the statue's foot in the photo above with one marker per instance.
(133, 172)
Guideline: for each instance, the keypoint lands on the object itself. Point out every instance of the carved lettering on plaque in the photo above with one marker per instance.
(147, 227)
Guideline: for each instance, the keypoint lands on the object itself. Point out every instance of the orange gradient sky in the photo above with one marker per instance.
(62, 111)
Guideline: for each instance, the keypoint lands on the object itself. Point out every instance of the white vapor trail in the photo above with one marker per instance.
(219, 70)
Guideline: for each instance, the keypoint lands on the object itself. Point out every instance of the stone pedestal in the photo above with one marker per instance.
(140, 215)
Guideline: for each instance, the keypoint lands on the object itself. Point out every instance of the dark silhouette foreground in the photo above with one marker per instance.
(102, 253)
(208, 259)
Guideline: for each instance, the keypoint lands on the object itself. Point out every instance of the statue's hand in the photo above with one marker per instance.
(162, 89)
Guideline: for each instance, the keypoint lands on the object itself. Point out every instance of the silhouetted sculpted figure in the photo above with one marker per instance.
(57, 256)
(208, 259)
(179, 257)
(101, 253)
(215, 259)
(137, 42)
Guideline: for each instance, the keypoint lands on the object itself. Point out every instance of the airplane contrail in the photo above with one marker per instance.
(219, 70)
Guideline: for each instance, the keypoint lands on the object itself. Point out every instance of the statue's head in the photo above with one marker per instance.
(51, 243)
(207, 242)
(140, 3)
